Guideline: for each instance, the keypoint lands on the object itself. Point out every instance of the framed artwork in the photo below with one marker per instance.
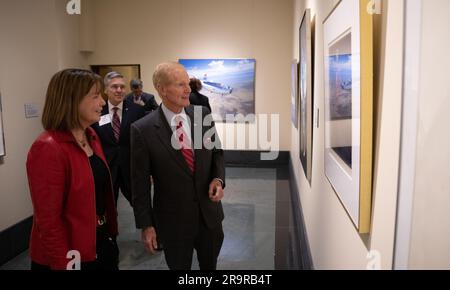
(229, 84)
(305, 88)
(2, 137)
(294, 94)
(348, 49)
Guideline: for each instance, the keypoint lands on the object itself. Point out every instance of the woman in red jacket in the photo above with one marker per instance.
(75, 218)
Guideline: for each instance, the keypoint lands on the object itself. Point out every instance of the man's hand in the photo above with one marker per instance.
(149, 239)
(215, 190)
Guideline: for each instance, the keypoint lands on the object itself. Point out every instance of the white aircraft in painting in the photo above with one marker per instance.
(216, 88)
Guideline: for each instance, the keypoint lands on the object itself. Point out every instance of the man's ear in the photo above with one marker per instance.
(161, 90)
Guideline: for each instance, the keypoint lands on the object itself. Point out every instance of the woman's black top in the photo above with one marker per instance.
(101, 177)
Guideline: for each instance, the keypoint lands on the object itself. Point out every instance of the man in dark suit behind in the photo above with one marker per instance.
(114, 132)
(141, 98)
(196, 98)
(187, 212)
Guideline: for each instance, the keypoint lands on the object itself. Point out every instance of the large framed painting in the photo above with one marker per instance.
(2, 139)
(229, 85)
(306, 94)
(294, 93)
(348, 49)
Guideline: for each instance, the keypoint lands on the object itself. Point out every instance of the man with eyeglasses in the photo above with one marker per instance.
(114, 132)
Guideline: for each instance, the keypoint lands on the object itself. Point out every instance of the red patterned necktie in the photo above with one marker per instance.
(116, 124)
(186, 149)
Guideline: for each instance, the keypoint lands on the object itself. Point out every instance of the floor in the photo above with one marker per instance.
(257, 227)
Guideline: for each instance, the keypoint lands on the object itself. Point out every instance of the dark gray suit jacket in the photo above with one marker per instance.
(149, 101)
(179, 196)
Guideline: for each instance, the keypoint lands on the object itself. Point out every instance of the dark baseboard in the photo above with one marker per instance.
(253, 159)
(14, 240)
(300, 251)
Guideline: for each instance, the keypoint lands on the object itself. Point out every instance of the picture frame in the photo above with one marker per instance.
(348, 55)
(294, 93)
(229, 85)
(305, 88)
(2, 135)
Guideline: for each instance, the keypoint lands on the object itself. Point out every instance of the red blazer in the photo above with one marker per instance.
(63, 195)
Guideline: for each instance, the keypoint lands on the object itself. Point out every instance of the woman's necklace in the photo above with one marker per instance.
(83, 141)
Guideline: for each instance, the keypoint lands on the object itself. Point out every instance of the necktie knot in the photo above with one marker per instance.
(115, 109)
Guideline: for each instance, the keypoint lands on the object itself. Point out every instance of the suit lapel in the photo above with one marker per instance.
(108, 127)
(125, 117)
(197, 152)
(164, 132)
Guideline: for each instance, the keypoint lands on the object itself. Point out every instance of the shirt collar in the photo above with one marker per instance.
(171, 115)
(111, 106)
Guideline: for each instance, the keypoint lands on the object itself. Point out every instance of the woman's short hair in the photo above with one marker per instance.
(65, 92)
(195, 84)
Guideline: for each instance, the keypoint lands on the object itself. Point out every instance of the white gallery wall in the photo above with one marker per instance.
(37, 38)
(333, 239)
(430, 229)
(148, 32)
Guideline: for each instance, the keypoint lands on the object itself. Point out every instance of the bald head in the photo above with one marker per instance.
(164, 73)
(172, 83)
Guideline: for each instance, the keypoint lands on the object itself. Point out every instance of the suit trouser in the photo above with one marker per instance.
(207, 243)
(123, 184)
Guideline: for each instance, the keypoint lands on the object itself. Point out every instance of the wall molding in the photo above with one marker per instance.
(300, 239)
(236, 158)
(14, 240)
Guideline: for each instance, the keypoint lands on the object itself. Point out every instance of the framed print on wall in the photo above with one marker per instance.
(229, 84)
(294, 93)
(348, 49)
(305, 88)
(2, 139)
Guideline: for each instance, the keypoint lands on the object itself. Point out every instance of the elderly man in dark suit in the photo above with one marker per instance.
(141, 98)
(114, 132)
(188, 180)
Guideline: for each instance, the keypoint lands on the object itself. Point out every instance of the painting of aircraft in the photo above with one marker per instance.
(229, 84)
(216, 88)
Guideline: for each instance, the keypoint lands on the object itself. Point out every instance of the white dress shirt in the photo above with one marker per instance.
(119, 111)
(171, 117)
